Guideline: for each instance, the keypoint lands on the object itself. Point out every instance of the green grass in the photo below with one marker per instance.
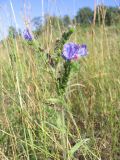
(38, 124)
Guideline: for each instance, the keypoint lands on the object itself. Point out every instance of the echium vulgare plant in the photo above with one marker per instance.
(69, 52)
(60, 43)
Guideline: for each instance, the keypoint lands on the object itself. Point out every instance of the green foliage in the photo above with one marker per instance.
(64, 77)
(108, 15)
(112, 16)
(66, 20)
(84, 16)
(12, 33)
(54, 21)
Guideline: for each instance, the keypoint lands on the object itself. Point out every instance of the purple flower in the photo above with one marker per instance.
(27, 35)
(73, 51)
(83, 50)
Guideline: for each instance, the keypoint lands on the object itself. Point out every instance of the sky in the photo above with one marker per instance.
(12, 12)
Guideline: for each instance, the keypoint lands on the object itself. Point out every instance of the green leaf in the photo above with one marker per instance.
(77, 146)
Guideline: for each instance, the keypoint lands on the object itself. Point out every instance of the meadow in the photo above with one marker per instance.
(83, 123)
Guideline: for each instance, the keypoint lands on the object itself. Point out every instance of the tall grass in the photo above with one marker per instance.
(36, 123)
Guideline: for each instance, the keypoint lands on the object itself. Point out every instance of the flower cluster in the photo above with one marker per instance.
(27, 35)
(72, 51)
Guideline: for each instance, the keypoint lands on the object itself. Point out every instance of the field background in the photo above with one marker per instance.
(36, 123)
